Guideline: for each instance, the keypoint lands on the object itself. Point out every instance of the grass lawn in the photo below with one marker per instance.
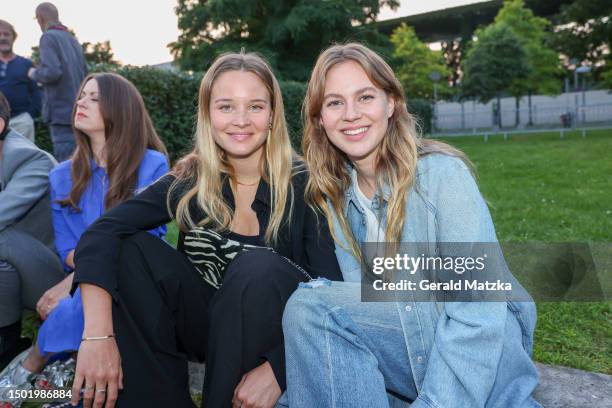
(543, 189)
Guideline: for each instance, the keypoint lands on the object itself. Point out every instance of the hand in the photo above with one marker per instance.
(99, 373)
(257, 389)
(31, 72)
(50, 299)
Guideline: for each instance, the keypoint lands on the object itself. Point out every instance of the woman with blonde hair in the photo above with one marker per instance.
(247, 239)
(378, 181)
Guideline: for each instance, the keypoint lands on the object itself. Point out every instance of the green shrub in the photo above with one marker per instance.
(43, 137)
(421, 109)
(293, 97)
(171, 99)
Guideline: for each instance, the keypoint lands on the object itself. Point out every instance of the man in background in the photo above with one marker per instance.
(62, 68)
(28, 263)
(22, 93)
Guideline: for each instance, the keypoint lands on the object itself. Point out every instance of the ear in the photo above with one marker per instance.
(2, 125)
(390, 106)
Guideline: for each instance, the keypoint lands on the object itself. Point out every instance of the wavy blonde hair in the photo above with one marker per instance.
(207, 165)
(396, 156)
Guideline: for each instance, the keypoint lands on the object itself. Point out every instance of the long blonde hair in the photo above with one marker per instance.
(397, 154)
(207, 165)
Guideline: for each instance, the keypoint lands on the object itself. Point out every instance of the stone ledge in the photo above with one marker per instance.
(564, 387)
(560, 387)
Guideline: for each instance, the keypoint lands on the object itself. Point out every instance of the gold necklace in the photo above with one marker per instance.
(247, 185)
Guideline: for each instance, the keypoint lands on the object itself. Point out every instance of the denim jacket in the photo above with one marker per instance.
(455, 357)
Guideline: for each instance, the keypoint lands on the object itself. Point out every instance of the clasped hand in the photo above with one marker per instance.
(257, 389)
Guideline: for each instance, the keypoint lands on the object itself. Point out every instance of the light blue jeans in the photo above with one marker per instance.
(342, 352)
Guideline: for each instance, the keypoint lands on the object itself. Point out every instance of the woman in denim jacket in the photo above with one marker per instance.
(377, 180)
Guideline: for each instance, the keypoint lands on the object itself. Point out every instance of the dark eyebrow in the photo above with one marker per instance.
(359, 91)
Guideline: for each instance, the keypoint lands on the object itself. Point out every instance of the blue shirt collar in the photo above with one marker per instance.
(94, 166)
(351, 198)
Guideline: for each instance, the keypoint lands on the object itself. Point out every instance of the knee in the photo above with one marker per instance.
(254, 267)
(296, 309)
(304, 311)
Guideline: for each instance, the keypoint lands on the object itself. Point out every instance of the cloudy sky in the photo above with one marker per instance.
(139, 30)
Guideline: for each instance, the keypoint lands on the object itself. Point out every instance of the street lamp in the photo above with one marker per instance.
(583, 69)
(435, 77)
(574, 62)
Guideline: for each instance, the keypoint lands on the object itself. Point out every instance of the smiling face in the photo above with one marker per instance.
(88, 117)
(355, 111)
(240, 112)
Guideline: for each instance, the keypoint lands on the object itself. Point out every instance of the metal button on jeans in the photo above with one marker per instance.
(408, 308)
(420, 359)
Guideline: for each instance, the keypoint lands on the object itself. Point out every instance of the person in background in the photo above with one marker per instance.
(28, 264)
(118, 154)
(22, 93)
(61, 71)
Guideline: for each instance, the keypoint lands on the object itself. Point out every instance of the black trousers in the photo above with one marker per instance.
(166, 313)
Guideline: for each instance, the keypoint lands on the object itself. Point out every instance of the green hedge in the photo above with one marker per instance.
(422, 110)
(171, 99)
(293, 97)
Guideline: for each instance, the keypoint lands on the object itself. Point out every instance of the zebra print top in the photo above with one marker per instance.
(211, 252)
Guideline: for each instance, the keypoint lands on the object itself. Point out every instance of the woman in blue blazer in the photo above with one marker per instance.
(118, 154)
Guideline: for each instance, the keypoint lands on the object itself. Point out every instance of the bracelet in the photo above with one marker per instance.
(110, 336)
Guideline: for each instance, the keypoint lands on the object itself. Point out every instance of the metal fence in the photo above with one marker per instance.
(538, 117)
(572, 110)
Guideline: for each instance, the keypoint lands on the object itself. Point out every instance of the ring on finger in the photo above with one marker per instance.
(101, 391)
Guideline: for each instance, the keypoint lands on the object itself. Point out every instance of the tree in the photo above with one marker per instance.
(453, 51)
(533, 32)
(415, 62)
(606, 75)
(495, 60)
(99, 53)
(290, 33)
(584, 33)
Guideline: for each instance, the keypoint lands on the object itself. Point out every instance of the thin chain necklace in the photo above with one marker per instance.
(247, 185)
